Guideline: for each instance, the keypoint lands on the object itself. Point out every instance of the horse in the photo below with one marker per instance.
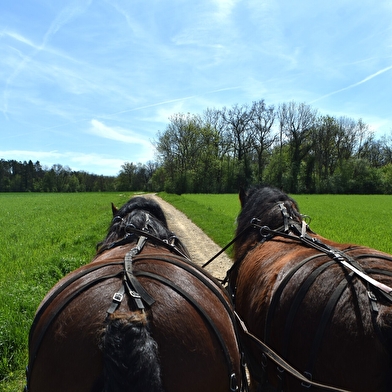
(139, 317)
(321, 307)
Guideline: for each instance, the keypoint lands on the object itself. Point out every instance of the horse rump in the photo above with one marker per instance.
(130, 354)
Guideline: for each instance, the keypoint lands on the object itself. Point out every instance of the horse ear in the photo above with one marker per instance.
(242, 196)
(114, 210)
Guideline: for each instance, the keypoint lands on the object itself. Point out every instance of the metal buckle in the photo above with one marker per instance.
(233, 383)
(280, 373)
(371, 295)
(264, 361)
(310, 377)
(118, 297)
(134, 294)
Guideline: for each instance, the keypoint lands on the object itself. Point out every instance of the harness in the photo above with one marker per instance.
(291, 229)
(139, 294)
(132, 286)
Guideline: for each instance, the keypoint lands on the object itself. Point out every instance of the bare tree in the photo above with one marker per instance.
(262, 120)
(296, 121)
(238, 121)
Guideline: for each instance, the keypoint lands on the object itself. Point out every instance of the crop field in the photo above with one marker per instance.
(45, 236)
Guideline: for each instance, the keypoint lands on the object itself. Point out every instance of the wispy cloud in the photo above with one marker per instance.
(224, 8)
(19, 38)
(104, 164)
(116, 133)
(72, 11)
(65, 15)
(175, 100)
(370, 77)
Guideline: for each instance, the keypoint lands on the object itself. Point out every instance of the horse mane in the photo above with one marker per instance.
(142, 214)
(262, 202)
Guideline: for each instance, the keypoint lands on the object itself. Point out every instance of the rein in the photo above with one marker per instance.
(227, 246)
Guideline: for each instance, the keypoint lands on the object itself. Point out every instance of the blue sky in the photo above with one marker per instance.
(88, 84)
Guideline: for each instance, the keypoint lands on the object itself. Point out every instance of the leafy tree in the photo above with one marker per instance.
(179, 148)
(126, 176)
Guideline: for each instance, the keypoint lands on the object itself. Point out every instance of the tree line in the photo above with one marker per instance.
(290, 146)
(25, 176)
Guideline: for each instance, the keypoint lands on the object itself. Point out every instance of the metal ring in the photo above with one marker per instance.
(265, 231)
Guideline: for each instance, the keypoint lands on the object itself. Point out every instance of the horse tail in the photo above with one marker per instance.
(130, 355)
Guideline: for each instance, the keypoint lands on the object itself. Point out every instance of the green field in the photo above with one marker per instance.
(360, 219)
(44, 236)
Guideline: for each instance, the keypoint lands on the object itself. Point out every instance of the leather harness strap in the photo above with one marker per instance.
(90, 268)
(276, 297)
(282, 363)
(34, 348)
(325, 319)
(204, 314)
(130, 283)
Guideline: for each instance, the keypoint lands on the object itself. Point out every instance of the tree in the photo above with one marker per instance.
(324, 145)
(296, 122)
(179, 148)
(262, 120)
(125, 178)
(238, 122)
(223, 157)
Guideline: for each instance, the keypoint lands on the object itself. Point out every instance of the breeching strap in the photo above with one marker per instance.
(282, 363)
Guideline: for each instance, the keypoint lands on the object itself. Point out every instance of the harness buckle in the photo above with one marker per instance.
(280, 373)
(233, 382)
(264, 361)
(371, 295)
(309, 376)
(118, 297)
(134, 294)
(373, 301)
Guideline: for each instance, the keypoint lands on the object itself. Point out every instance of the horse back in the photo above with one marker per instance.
(318, 315)
(191, 321)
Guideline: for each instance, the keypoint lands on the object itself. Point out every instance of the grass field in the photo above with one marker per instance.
(44, 236)
(361, 219)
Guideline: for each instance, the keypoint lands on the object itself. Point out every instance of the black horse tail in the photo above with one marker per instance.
(130, 355)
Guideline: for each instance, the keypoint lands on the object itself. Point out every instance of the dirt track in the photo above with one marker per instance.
(199, 245)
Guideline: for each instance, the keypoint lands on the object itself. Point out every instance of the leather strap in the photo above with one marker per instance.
(325, 319)
(204, 314)
(135, 289)
(282, 363)
(117, 299)
(53, 314)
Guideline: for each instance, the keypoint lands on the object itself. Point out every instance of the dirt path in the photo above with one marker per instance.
(199, 245)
